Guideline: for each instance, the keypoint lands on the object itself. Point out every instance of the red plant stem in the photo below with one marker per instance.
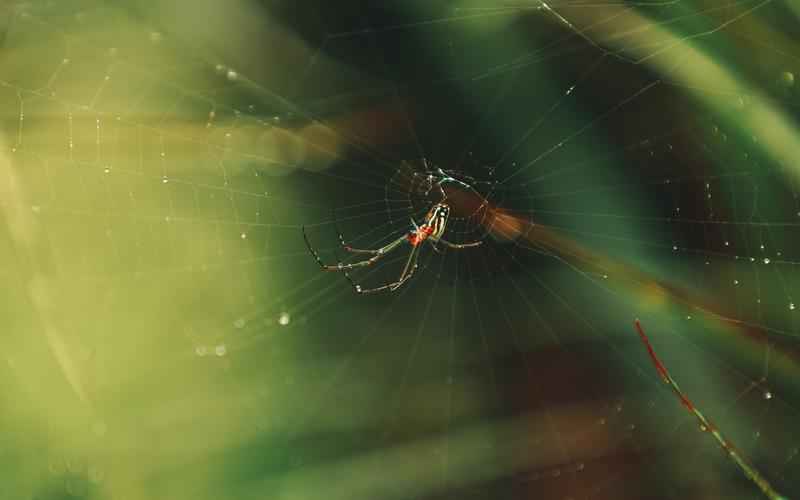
(706, 424)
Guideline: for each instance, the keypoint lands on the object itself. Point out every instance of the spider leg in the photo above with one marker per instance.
(340, 266)
(344, 244)
(408, 271)
(458, 246)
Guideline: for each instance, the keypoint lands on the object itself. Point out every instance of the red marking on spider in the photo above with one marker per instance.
(420, 235)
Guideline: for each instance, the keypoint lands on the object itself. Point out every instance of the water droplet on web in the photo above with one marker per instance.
(220, 350)
(791, 306)
(756, 434)
(164, 179)
(239, 323)
(284, 319)
(244, 236)
(155, 37)
(766, 260)
(767, 395)
(735, 282)
(675, 248)
(201, 350)
(787, 78)
(232, 75)
(107, 170)
(703, 428)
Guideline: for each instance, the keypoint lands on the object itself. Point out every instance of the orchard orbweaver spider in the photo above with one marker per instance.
(431, 230)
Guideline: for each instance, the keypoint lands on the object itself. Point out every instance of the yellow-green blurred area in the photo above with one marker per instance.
(166, 334)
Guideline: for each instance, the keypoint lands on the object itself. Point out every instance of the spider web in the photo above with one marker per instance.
(167, 333)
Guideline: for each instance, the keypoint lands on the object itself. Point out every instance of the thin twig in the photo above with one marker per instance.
(707, 426)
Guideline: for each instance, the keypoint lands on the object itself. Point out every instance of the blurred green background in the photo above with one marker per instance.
(166, 333)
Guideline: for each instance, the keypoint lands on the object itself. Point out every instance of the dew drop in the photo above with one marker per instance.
(200, 350)
(232, 75)
(244, 236)
(284, 319)
(220, 350)
(787, 78)
(766, 260)
(767, 395)
(791, 306)
(164, 179)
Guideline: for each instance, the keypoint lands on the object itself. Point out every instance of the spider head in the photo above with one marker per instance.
(440, 210)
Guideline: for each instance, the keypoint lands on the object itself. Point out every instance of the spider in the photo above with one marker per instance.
(431, 230)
